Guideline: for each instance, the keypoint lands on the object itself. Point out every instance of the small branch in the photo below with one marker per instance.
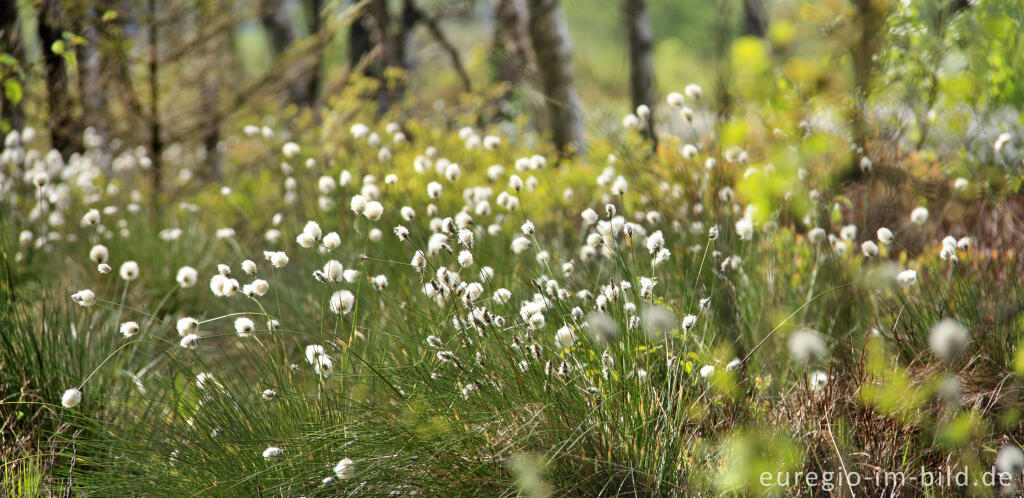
(435, 30)
(275, 76)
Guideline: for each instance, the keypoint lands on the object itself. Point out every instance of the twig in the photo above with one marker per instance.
(439, 36)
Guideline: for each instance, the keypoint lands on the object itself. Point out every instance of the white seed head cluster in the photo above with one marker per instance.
(949, 339)
(475, 264)
(806, 346)
(71, 398)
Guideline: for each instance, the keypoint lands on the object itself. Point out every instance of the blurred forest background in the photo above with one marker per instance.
(156, 73)
(175, 75)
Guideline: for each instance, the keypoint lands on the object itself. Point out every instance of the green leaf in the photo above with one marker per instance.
(12, 90)
(75, 40)
(1018, 360)
(958, 431)
(58, 47)
(71, 59)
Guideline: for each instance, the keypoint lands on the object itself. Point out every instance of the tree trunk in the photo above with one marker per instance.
(65, 129)
(211, 146)
(641, 71)
(722, 65)
(156, 144)
(209, 96)
(275, 22)
(411, 16)
(753, 18)
(281, 32)
(549, 34)
(94, 102)
(510, 50)
(359, 44)
(312, 83)
(870, 20)
(367, 34)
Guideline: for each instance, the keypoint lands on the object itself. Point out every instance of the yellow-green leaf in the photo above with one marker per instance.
(12, 90)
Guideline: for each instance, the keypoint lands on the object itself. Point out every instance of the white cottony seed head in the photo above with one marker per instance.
(807, 346)
(1010, 460)
(244, 326)
(187, 325)
(884, 236)
(345, 469)
(71, 398)
(190, 341)
(564, 338)
(129, 329)
(373, 210)
(919, 216)
(129, 271)
(949, 339)
(84, 298)
(99, 253)
(906, 278)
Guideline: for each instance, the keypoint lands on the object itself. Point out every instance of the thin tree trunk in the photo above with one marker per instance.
(65, 129)
(275, 22)
(753, 18)
(641, 71)
(723, 71)
(281, 32)
(410, 17)
(156, 145)
(870, 19)
(210, 116)
(211, 144)
(549, 34)
(313, 78)
(359, 43)
(369, 37)
(209, 95)
(91, 79)
(510, 50)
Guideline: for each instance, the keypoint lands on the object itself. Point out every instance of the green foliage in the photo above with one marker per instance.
(749, 455)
